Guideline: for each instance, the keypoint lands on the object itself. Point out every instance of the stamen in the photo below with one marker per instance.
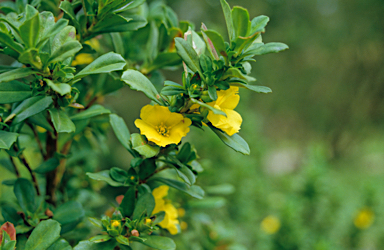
(162, 130)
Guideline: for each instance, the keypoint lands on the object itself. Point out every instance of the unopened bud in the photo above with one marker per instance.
(134, 232)
(115, 223)
(48, 213)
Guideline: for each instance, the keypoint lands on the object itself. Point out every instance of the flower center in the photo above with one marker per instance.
(162, 130)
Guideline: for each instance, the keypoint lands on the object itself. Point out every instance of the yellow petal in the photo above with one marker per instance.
(230, 124)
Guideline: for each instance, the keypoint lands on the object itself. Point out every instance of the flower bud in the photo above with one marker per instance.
(134, 232)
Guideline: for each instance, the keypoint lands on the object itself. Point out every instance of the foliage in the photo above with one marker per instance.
(65, 58)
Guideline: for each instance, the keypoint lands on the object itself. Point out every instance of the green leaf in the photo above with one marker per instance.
(14, 91)
(30, 30)
(147, 168)
(100, 238)
(214, 110)
(88, 245)
(159, 242)
(61, 88)
(118, 174)
(121, 130)
(118, 43)
(10, 214)
(69, 215)
(258, 24)
(16, 74)
(170, 90)
(104, 64)
(66, 35)
(60, 244)
(44, 235)
(25, 194)
(194, 191)
(228, 19)
(186, 174)
(257, 50)
(240, 19)
(188, 54)
(140, 144)
(208, 203)
(95, 110)
(256, 88)
(236, 142)
(61, 121)
(68, 9)
(68, 49)
(145, 203)
(137, 81)
(122, 240)
(104, 176)
(30, 107)
(7, 139)
(48, 166)
(111, 23)
(127, 205)
(217, 41)
(7, 40)
(236, 73)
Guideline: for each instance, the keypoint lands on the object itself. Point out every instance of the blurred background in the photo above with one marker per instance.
(314, 179)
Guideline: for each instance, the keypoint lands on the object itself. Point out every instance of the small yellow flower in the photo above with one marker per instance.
(161, 126)
(82, 58)
(226, 101)
(364, 218)
(115, 223)
(270, 224)
(170, 221)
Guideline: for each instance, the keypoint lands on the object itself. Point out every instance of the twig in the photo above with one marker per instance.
(22, 158)
(37, 140)
(14, 165)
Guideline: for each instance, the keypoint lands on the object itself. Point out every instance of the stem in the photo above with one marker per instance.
(14, 165)
(22, 158)
(37, 139)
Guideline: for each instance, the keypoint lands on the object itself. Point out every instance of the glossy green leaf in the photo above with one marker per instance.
(25, 194)
(69, 49)
(100, 238)
(69, 215)
(121, 130)
(236, 142)
(14, 91)
(66, 6)
(7, 40)
(194, 191)
(140, 144)
(214, 110)
(7, 139)
(159, 242)
(60, 244)
(165, 59)
(188, 54)
(48, 166)
(228, 19)
(16, 74)
(186, 174)
(137, 81)
(66, 35)
(49, 28)
(236, 73)
(61, 88)
(147, 168)
(112, 23)
(88, 245)
(30, 107)
(43, 236)
(145, 203)
(30, 30)
(267, 48)
(61, 121)
(127, 205)
(10, 214)
(104, 64)
(240, 19)
(94, 110)
(118, 174)
(256, 88)
(258, 23)
(122, 240)
(104, 176)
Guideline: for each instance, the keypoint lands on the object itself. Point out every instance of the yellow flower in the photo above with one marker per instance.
(270, 224)
(82, 58)
(364, 218)
(161, 126)
(170, 221)
(226, 101)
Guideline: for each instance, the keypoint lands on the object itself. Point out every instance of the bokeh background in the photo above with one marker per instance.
(315, 176)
